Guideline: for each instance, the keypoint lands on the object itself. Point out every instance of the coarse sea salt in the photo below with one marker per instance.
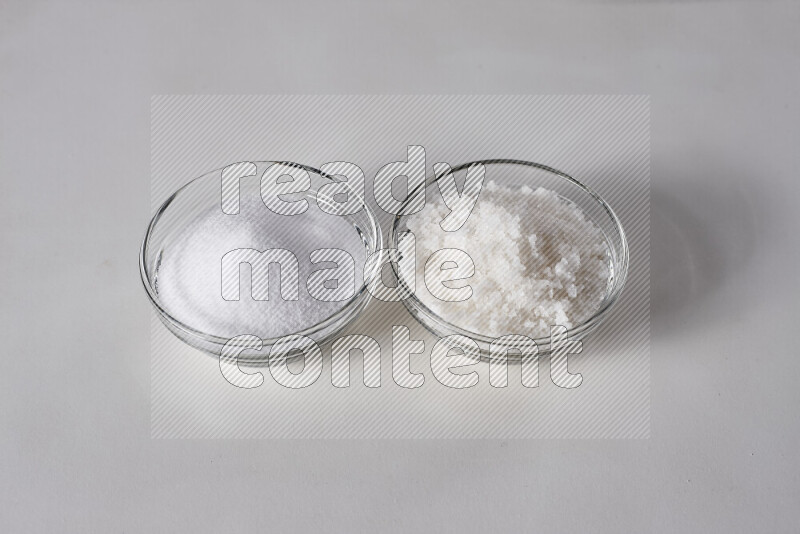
(539, 262)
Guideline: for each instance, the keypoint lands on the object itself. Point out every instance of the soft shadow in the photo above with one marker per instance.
(684, 261)
(703, 232)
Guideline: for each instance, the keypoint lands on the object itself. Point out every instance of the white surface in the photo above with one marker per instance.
(74, 380)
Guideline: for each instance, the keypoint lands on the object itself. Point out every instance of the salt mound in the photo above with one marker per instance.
(539, 262)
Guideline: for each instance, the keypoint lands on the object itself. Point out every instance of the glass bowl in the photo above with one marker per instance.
(516, 174)
(181, 259)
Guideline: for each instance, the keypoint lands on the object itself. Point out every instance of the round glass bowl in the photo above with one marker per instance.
(516, 174)
(182, 257)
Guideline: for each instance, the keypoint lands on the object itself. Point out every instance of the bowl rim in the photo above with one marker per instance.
(351, 306)
(416, 307)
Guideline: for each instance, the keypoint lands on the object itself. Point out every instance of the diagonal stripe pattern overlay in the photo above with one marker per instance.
(601, 140)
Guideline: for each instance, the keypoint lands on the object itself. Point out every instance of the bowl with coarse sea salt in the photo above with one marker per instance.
(520, 256)
(287, 229)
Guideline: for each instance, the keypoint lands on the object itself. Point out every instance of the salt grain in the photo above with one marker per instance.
(539, 262)
(189, 275)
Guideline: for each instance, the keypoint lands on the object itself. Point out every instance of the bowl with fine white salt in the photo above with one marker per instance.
(249, 252)
(519, 251)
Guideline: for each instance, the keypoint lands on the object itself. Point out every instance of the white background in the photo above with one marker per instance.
(75, 451)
